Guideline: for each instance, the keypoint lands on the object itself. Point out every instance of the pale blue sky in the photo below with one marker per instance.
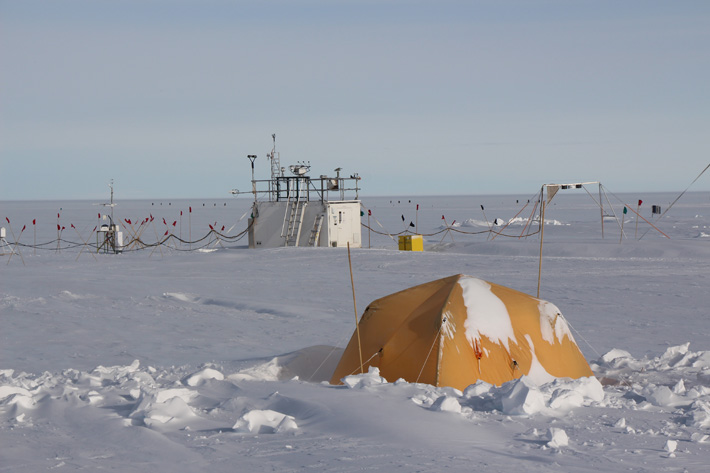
(167, 97)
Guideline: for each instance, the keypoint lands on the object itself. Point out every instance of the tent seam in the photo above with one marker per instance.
(439, 334)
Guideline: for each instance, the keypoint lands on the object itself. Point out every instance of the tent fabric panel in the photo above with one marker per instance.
(560, 359)
(397, 333)
(460, 366)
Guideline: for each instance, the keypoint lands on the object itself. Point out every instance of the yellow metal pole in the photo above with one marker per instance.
(542, 234)
(357, 326)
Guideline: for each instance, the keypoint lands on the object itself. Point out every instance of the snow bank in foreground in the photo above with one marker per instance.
(651, 409)
(168, 400)
(518, 397)
(679, 379)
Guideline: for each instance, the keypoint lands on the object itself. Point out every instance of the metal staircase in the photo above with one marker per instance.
(315, 232)
(293, 220)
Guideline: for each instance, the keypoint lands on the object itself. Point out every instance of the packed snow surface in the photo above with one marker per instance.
(218, 360)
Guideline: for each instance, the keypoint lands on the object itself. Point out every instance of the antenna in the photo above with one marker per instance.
(275, 160)
(252, 158)
(110, 204)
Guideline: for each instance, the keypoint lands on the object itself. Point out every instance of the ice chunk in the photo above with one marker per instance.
(371, 378)
(700, 414)
(265, 421)
(677, 355)
(566, 399)
(614, 354)
(589, 387)
(671, 445)
(167, 394)
(201, 376)
(270, 371)
(679, 387)
(702, 360)
(524, 398)
(174, 412)
(7, 391)
(478, 389)
(446, 404)
(557, 438)
(663, 396)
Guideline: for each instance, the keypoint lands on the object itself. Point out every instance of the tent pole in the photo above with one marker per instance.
(416, 218)
(357, 326)
(611, 207)
(677, 198)
(542, 234)
(488, 224)
(506, 225)
(601, 207)
(641, 217)
(530, 219)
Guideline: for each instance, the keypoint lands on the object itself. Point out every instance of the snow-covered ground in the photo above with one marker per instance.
(218, 359)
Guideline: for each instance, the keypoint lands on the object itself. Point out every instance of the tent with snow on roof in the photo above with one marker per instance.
(458, 330)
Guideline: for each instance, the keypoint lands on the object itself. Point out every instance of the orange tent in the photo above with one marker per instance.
(457, 330)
